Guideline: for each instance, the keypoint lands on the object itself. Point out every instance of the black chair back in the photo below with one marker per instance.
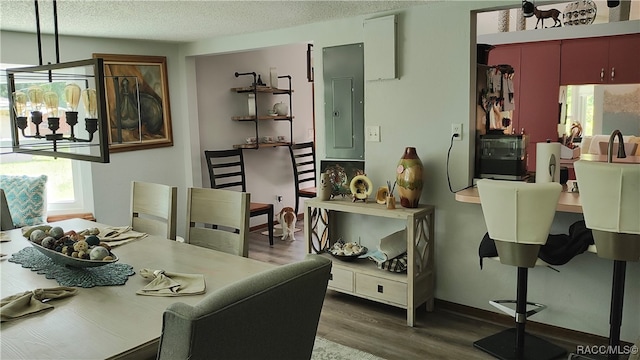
(303, 159)
(226, 169)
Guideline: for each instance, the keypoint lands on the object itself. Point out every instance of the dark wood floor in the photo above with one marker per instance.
(381, 329)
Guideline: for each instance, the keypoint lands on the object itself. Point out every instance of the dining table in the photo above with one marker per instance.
(108, 322)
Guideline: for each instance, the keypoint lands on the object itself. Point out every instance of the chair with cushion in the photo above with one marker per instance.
(303, 159)
(26, 198)
(271, 315)
(153, 209)
(218, 219)
(610, 197)
(226, 170)
(6, 222)
(518, 216)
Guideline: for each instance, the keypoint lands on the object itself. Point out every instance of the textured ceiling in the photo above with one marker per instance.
(178, 20)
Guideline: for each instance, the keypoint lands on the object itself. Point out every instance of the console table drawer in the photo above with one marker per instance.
(341, 279)
(382, 289)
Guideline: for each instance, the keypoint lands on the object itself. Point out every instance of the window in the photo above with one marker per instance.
(65, 193)
(580, 107)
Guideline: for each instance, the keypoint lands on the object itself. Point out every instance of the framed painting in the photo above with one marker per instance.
(137, 99)
(341, 172)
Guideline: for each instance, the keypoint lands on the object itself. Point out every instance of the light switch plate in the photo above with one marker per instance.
(373, 133)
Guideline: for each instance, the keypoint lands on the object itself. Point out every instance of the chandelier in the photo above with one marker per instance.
(46, 107)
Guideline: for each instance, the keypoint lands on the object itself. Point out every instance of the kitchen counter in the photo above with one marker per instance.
(568, 201)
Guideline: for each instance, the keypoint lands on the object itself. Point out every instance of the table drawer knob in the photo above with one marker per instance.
(380, 289)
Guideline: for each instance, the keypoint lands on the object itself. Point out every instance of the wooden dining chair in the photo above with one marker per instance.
(303, 159)
(153, 209)
(218, 219)
(226, 171)
(6, 222)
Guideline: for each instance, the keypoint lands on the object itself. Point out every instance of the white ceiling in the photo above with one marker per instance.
(179, 20)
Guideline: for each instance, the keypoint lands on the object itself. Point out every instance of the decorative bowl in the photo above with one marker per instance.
(337, 250)
(348, 257)
(62, 259)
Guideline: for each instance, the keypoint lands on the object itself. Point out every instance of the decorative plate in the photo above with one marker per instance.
(62, 259)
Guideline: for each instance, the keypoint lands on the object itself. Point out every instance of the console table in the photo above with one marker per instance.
(361, 277)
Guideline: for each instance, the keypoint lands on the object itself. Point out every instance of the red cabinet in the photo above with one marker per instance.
(539, 109)
(602, 60)
(536, 86)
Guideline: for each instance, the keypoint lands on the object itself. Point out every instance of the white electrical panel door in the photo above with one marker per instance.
(380, 48)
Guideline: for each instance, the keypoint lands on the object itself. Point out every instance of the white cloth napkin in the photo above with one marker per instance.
(31, 302)
(165, 283)
(118, 235)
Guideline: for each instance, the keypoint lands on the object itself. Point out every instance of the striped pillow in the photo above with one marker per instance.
(26, 198)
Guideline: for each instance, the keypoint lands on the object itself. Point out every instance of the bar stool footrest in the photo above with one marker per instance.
(511, 312)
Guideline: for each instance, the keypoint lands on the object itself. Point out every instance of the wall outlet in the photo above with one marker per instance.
(456, 129)
(279, 198)
(373, 133)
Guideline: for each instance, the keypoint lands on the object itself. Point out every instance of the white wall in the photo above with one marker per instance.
(268, 170)
(436, 62)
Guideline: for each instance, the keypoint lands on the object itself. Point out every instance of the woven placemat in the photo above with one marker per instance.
(107, 275)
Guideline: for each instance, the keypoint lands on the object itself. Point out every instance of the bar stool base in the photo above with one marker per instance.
(502, 346)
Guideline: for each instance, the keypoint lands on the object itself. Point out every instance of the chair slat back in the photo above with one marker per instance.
(154, 209)
(303, 160)
(226, 169)
(304, 164)
(218, 219)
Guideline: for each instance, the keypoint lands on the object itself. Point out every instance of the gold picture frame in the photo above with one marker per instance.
(137, 101)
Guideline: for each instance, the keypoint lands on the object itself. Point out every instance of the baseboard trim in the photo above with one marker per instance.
(540, 328)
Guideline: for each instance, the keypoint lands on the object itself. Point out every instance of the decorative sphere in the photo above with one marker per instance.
(92, 240)
(56, 232)
(98, 253)
(81, 246)
(48, 242)
(37, 236)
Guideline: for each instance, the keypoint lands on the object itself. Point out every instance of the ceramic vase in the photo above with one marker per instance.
(409, 178)
(324, 192)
